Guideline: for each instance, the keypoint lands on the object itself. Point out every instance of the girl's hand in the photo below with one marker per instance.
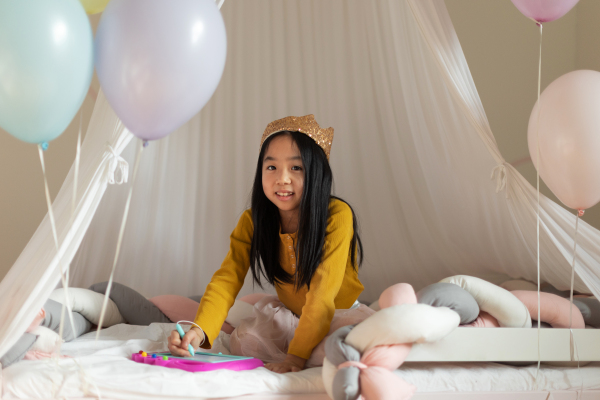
(179, 347)
(291, 363)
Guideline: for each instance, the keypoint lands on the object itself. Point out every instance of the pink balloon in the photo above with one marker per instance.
(159, 62)
(569, 138)
(544, 10)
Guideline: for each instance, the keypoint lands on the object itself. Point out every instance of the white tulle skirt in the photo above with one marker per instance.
(267, 333)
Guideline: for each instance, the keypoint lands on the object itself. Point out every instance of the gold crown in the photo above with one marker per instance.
(306, 125)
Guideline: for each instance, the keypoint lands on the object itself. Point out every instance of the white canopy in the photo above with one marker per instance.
(413, 153)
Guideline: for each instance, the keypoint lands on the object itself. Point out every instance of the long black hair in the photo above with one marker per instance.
(314, 212)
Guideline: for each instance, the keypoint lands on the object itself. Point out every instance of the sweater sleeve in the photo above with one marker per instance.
(227, 281)
(319, 307)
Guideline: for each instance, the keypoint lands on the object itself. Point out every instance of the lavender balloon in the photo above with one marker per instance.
(159, 61)
(544, 10)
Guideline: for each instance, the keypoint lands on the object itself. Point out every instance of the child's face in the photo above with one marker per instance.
(283, 174)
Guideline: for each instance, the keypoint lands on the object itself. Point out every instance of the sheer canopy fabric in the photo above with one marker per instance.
(412, 153)
(35, 274)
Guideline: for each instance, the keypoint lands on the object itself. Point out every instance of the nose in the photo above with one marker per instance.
(284, 178)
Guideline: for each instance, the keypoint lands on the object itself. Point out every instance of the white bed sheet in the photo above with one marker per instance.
(107, 369)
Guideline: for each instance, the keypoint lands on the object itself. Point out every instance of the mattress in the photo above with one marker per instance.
(104, 367)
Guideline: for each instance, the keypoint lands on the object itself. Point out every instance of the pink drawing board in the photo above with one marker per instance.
(199, 362)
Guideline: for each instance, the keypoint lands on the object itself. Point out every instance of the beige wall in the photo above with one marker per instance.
(501, 47)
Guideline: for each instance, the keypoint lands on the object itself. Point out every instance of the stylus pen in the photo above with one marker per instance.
(182, 334)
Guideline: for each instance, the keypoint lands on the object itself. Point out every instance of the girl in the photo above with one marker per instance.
(297, 236)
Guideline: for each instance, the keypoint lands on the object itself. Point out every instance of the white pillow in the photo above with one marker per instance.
(406, 323)
(48, 341)
(89, 304)
(499, 303)
(238, 312)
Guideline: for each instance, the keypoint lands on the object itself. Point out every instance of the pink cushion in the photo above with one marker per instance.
(37, 320)
(400, 293)
(175, 307)
(555, 309)
(484, 320)
(253, 298)
(178, 308)
(227, 328)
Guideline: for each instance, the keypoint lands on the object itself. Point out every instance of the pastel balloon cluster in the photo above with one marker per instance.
(158, 64)
(563, 132)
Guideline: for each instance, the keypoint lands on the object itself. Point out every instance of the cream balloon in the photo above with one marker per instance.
(94, 6)
(569, 138)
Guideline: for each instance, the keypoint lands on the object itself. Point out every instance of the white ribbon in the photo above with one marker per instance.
(116, 162)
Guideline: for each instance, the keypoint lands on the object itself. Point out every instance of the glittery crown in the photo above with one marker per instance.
(306, 125)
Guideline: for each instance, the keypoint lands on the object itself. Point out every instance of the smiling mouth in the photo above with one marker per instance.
(284, 194)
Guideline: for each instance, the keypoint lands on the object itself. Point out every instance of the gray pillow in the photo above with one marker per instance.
(196, 298)
(17, 352)
(452, 296)
(590, 309)
(134, 307)
(52, 321)
(534, 324)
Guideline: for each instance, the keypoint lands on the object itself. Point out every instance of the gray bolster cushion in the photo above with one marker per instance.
(134, 307)
(452, 296)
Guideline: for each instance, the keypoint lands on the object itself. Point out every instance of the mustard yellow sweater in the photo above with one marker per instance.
(335, 284)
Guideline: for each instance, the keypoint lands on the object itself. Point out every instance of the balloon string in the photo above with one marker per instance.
(573, 344)
(77, 160)
(573, 270)
(64, 280)
(539, 165)
(120, 239)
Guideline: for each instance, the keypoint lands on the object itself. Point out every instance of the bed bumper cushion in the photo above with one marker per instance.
(452, 296)
(89, 304)
(359, 360)
(498, 302)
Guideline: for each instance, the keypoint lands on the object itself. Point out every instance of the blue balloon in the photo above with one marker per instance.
(46, 66)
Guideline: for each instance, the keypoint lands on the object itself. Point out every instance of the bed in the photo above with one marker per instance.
(106, 369)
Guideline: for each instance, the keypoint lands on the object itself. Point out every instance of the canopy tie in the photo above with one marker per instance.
(116, 162)
(499, 172)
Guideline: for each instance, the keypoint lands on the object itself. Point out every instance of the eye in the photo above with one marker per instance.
(296, 168)
(270, 168)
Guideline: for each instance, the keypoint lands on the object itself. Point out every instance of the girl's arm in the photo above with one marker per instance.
(227, 281)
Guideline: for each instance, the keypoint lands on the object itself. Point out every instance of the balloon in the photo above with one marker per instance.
(94, 6)
(159, 64)
(544, 10)
(569, 138)
(46, 66)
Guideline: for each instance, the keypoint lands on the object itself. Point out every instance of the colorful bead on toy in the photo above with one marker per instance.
(144, 354)
(153, 355)
(165, 358)
(140, 352)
